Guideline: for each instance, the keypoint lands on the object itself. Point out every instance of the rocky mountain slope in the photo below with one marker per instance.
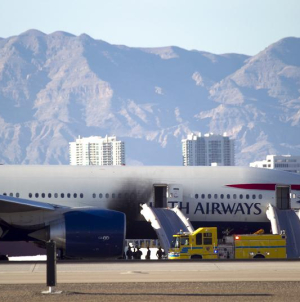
(58, 86)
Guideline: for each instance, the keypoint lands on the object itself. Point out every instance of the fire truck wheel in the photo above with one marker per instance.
(196, 257)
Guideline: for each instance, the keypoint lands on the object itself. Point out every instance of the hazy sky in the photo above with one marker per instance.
(218, 26)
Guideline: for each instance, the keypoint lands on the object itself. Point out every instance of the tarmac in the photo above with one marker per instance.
(154, 281)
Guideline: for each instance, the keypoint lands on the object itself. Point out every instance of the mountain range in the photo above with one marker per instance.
(55, 87)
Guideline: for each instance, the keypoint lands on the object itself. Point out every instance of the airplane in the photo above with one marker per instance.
(88, 210)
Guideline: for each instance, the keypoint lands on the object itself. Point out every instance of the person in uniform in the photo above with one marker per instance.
(148, 255)
(129, 252)
(134, 253)
(159, 253)
(138, 253)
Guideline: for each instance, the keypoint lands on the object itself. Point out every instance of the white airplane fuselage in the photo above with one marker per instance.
(204, 194)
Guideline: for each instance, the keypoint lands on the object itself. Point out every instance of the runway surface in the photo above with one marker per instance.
(154, 281)
(153, 271)
(162, 291)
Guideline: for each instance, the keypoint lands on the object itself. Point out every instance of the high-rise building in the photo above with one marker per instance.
(207, 150)
(95, 150)
(287, 163)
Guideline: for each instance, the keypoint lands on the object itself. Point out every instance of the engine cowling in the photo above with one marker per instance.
(90, 233)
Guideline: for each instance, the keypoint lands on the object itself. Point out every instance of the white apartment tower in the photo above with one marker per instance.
(289, 163)
(207, 150)
(95, 150)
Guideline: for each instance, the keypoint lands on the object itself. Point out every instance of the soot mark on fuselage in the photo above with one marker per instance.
(129, 197)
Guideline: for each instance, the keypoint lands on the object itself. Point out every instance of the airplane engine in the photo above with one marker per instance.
(89, 233)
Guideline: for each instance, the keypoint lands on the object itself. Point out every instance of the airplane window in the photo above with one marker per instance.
(81, 195)
(196, 196)
(209, 196)
(17, 195)
(119, 195)
(94, 195)
(75, 195)
(11, 194)
(62, 195)
(49, 195)
(36, 195)
(253, 196)
(43, 195)
(247, 196)
(260, 196)
(228, 196)
(216, 196)
(107, 195)
(4, 194)
(113, 195)
(29, 195)
(55, 195)
(203, 196)
(222, 196)
(241, 196)
(234, 196)
(69, 195)
(100, 195)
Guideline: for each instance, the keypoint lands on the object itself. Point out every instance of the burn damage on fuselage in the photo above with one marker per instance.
(133, 194)
(128, 200)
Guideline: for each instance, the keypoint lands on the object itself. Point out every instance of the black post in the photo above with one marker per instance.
(51, 263)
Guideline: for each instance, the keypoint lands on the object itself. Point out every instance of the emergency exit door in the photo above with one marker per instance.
(163, 194)
(160, 196)
(283, 197)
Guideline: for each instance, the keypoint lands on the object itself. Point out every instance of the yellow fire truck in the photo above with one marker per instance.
(204, 244)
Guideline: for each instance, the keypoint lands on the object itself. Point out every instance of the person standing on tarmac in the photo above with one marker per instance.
(148, 255)
(159, 253)
(129, 253)
(134, 253)
(138, 253)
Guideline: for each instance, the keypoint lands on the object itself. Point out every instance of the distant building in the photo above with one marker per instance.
(95, 150)
(207, 150)
(287, 163)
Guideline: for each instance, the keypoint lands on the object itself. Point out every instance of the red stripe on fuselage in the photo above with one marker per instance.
(265, 187)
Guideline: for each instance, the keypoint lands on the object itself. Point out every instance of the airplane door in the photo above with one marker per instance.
(160, 196)
(165, 193)
(283, 197)
(175, 193)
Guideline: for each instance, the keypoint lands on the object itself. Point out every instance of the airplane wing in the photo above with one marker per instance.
(9, 204)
